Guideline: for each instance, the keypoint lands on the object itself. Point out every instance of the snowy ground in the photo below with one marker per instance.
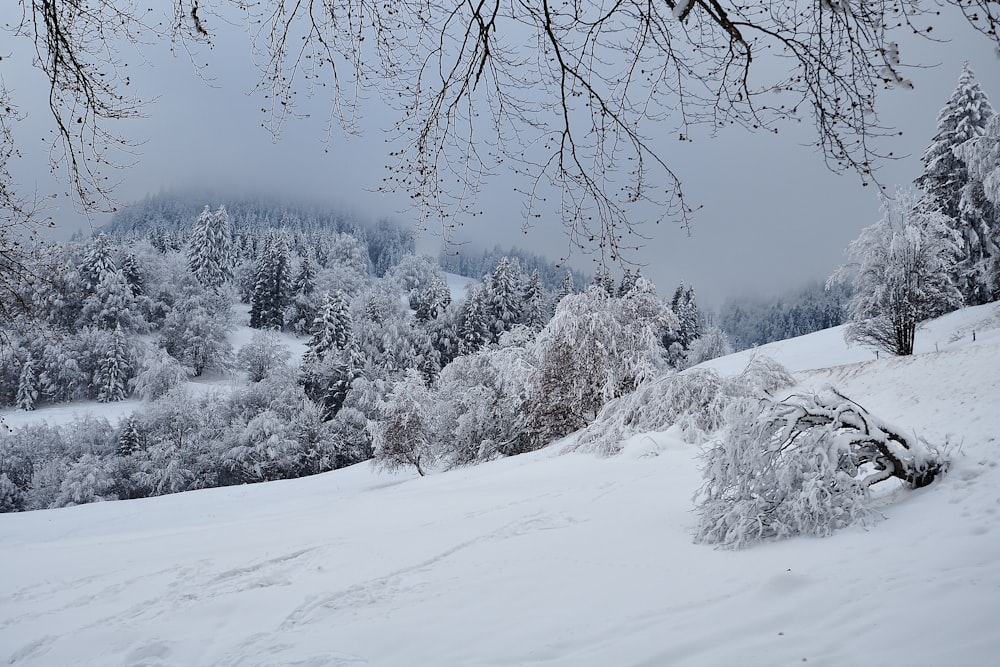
(541, 559)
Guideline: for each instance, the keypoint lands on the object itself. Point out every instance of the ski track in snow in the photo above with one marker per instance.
(540, 559)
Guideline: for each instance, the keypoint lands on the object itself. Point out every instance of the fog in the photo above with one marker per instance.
(771, 214)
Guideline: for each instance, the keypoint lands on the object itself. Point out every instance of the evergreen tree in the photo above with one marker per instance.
(534, 307)
(27, 386)
(502, 298)
(685, 307)
(474, 331)
(210, 250)
(566, 287)
(272, 285)
(331, 328)
(954, 191)
(113, 374)
(133, 276)
(980, 211)
(430, 301)
(129, 438)
(97, 261)
(112, 305)
(963, 117)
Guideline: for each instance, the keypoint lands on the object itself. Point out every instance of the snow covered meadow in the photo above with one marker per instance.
(547, 558)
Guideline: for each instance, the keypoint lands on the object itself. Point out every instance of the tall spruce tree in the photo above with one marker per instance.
(27, 386)
(950, 188)
(963, 117)
(210, 250)
(114, 370)
(272, 288)
(980, 208)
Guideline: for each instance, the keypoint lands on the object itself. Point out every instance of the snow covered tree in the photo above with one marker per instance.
(951, 189)
(196, 332)
(803, 465)
(302, 309)
(27, 386)
(979, 209)
(402, 436)
(594, 349)
(566, 287)
(535, 308)
(261, 355)
(963, 117)
(112, 304)
(132, 273)
(272, 288)
(210, 249)
(115, 370)
(98, 260)
(685, 307)
(430, 301)
(901, 272)
(129, 438)
(474, 330)
(502, 298)
(332, 328)
(711, 344)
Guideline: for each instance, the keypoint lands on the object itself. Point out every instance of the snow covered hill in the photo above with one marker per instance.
(541, 559)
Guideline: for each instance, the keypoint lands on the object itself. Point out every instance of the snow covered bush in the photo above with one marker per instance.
(261, 355)
(802, 466)
(695, 401)
(158, 374)
(712, 344)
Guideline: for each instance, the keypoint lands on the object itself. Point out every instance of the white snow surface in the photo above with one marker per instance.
(541, 559)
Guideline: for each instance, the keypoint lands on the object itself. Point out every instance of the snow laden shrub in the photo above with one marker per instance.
(695, 400)
(158, 374)
(261, 355)
(802, 466)
(713, 343)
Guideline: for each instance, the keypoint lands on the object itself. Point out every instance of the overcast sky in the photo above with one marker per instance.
(772, 215)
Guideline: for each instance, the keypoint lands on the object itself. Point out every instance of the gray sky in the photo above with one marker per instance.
(772, 215)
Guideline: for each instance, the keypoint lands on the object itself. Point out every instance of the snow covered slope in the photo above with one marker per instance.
(539, 559)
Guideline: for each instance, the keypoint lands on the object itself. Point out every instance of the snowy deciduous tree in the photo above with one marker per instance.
(261, 355)
(711, 344)
(594, 349)
(802, 466)
(901, 272)
(402, 436)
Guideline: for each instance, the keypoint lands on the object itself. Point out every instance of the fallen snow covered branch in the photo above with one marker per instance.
(802, 465)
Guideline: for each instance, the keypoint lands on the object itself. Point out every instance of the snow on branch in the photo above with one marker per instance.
(803, 465)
